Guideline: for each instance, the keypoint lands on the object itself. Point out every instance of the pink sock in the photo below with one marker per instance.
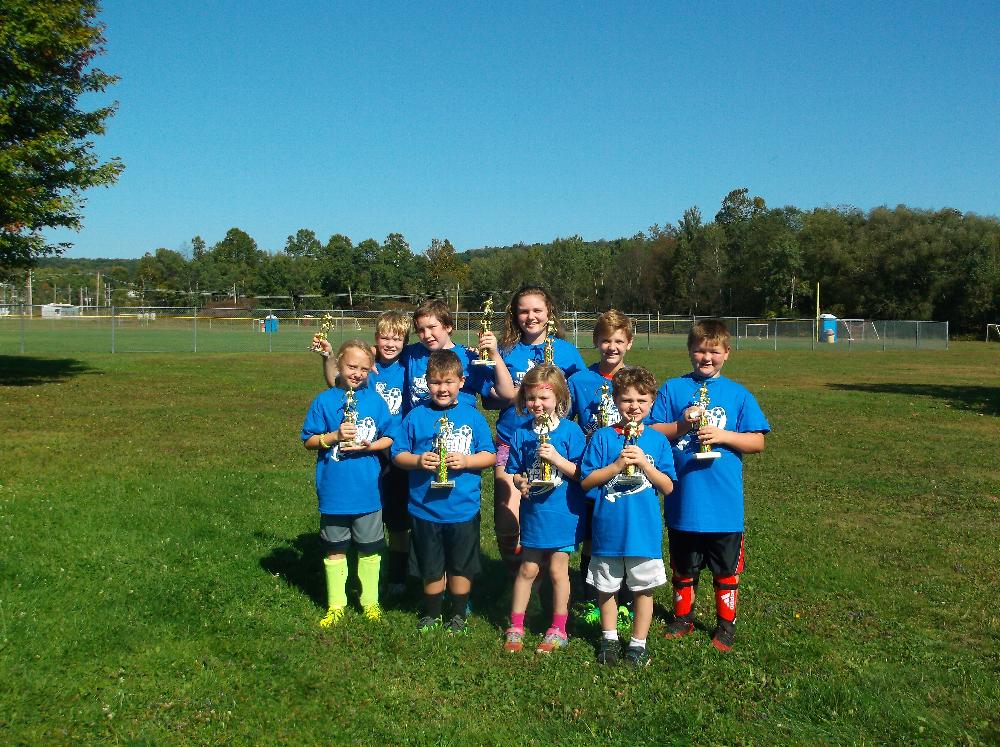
(517, 620)
(559, 623)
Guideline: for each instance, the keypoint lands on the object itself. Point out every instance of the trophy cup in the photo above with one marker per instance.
(550, 336)
(604, 407)
(484, 326)
(441, 446)
(631, 477)
(328, 321)
(704, 450)
(545, 480)
(351, 416)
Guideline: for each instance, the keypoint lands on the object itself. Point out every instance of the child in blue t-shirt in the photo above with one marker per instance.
(705, 513)
(444, 518)
(433, 323)
(630, 462)
(546, 448)
(348, 425)
(523, 347)
(592, 404)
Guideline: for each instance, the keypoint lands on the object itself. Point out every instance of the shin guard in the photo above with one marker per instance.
(726, 592)
(685, 588)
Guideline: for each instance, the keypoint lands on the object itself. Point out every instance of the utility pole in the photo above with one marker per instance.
(29, 292)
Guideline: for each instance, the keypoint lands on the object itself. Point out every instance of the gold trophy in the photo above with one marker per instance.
(328, 321)
(351, 415)
(604, 413)
(630, 477)
(484, 327)
(545, 480)
(550, 336)
(441, 446)
(704, 450)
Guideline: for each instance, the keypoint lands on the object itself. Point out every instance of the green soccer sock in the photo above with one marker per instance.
(368, 570)
(336, 581)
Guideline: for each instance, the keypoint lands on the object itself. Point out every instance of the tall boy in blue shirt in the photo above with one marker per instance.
(444, 521)
(705, 512)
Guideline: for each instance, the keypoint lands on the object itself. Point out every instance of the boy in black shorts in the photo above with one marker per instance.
(711, 422)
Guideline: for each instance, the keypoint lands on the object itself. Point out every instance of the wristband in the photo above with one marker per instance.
(323, 443)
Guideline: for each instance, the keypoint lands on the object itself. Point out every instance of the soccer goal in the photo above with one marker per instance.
(858, 330)
(993, 332)
(755, 331)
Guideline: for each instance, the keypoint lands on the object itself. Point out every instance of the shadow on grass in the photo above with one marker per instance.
(982, 399)
(299, 562)
(21, 370)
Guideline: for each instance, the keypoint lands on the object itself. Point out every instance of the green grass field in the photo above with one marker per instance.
(161, 581)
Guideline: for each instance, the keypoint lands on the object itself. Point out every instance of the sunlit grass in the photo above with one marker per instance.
(160, 579)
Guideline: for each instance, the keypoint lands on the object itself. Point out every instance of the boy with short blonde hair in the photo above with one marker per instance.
(705, 513)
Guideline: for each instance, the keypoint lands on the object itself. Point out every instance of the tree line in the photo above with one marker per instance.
(749, 260)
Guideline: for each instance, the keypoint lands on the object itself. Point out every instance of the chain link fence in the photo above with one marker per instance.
(157, 329)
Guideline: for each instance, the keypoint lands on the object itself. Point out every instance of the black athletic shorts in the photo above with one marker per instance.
(721, 552)
(395, 498)
(436, 548)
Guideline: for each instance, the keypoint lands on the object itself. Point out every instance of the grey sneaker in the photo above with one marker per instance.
(456, 625)
(427, 624)
(609, 652)
(637, 656)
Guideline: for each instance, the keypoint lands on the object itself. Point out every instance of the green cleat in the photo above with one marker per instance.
(373, 613)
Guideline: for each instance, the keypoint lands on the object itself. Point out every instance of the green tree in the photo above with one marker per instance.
(444, 270)
(47, 158)
(303, 244)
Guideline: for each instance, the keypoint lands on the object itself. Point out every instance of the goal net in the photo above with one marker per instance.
(993, 333)
(858, 330)
(755, 332)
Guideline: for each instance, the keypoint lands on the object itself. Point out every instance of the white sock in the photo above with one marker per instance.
(638, 643)
(610, 635)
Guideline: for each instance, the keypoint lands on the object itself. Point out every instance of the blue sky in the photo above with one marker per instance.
(494, 123)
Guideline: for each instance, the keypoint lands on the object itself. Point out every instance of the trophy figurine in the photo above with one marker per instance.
(484, 327)
(324, 327)
(704, 450)
(631, 477)
(545, 480)
(351, 415)
(604, 407)
(441, 446)
(550, 336)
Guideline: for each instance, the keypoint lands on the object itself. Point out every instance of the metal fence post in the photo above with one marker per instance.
(23, 330)
(195, 316)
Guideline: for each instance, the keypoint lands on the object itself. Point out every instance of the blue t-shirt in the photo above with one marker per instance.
(550, 519)
(470, 434)
(522, 358)
(585, 398)
(390, 381)
(414, 361)
(708, 496)
(348, 483)
(627, 519)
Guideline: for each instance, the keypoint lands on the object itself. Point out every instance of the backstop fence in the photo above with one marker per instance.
(148, 329)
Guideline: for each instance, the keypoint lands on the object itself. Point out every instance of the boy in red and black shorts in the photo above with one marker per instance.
(704, 514)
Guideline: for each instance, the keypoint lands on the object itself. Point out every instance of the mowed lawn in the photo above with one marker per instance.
(160, 579)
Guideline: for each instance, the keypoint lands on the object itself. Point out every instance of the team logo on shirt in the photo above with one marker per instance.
(367, 431)
(613, 417)
(418, 389)
(716, 417)
(613, 491)
(519, 375)
(393, 397)
(460, 440)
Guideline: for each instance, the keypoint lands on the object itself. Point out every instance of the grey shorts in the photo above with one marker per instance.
(337, 532)
(607, 574)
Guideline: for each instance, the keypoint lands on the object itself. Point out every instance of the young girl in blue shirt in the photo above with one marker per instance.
(550, 515)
